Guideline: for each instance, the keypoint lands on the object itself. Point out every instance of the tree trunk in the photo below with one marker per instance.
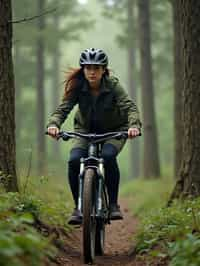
(7, 100)
(134, 147)
(178, 87)
(151, 164)
(188, 182)
(40, 91)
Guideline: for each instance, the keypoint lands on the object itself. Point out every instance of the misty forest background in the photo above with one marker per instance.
(46, 47)
(154, 49)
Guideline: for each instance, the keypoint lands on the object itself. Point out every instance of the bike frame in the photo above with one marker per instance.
(95, 162)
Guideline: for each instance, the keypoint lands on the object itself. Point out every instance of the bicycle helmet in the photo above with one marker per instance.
(93, 56)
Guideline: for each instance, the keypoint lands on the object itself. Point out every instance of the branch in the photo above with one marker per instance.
(32, 18)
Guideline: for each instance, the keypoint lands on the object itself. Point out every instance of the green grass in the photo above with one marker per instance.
(53, 193)
(147, 195)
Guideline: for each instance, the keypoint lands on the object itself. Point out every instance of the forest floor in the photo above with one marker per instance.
(118, 244)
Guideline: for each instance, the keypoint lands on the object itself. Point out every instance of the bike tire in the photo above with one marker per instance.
(89, 223)
(100, 231)
(100, 238)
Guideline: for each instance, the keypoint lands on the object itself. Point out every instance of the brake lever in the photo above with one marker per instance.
(63, 135)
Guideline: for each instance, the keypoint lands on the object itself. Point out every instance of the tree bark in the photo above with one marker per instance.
(188, 182)
(7, 100)
(178, 87)
(41, 149)
(134, 147)
(151, 164)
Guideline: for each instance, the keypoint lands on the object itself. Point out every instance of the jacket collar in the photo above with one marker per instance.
(103, 86)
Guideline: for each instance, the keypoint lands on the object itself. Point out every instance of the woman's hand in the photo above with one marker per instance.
(53, 131)
(133, 132)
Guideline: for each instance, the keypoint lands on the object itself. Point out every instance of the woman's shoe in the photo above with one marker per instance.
(115, 213)
(76, 217)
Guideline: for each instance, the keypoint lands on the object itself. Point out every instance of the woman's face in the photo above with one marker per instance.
(93, 74)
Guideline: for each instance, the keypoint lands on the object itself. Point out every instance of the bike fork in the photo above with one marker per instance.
(80, 193)
(100, 187)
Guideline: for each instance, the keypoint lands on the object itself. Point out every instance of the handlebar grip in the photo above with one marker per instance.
(47, 133)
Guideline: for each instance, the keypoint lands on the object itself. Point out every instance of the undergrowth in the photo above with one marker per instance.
(175, 230)
(171, 234)
(30, 222)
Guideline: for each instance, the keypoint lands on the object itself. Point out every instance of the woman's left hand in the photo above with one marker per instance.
(133, 132)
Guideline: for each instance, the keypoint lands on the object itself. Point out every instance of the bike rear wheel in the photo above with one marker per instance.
(89, 221)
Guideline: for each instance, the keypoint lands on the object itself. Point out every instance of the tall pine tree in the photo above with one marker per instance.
(7, 100)
(188, 182)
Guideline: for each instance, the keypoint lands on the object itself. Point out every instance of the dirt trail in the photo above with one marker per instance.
(117, 247)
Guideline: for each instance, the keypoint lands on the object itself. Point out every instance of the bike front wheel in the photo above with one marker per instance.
(100, 238)
(89, 221)
(100, 227)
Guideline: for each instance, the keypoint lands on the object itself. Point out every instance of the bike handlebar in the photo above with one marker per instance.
(66, 135)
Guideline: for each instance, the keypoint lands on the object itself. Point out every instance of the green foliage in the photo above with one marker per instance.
(25, 245)
(50, 201)
(186, 251)
(175, 229)
(20, 243)
(19, 203)
(168, 233)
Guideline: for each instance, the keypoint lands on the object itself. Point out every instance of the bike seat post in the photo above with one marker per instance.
(80, 194)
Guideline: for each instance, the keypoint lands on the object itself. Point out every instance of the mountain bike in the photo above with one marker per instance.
(93, 197)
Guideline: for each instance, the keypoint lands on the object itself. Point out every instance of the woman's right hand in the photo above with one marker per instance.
(53, 131)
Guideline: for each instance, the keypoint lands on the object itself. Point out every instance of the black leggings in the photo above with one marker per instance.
(112, 175)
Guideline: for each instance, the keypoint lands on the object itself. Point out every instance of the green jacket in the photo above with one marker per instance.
(112, 110)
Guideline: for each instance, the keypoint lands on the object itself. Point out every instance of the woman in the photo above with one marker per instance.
(103, 106)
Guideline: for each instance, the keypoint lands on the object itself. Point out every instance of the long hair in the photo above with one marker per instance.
(74, 79)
